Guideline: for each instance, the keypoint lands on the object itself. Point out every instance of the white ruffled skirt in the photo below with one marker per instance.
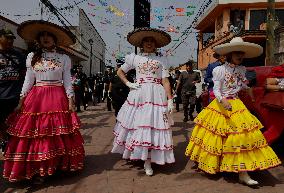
(143, 125)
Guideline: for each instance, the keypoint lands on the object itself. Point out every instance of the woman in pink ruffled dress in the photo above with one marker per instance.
(142, 131)
(44, 133)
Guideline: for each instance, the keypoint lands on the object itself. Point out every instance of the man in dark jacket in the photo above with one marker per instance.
(118, 91)
(186, 81)
(12, 73)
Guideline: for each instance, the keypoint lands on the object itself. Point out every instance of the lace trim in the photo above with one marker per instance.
(143, 126)
(145, 103)
(141, 144)
(226, 116)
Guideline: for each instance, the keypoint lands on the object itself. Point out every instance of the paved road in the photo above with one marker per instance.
(107, 173)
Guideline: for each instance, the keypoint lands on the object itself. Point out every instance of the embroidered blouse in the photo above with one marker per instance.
(147, 66)
(54, 68)
(228, 81)
(280, 81)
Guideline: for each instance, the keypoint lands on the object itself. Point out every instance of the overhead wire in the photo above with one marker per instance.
(186, 31)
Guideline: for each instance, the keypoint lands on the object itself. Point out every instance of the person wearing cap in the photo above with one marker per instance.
(209, 74)
(44, 130)
(227, 137)
(142, 131)
(187, 81)
(12, 73)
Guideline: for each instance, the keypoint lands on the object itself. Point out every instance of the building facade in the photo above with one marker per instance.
(228, 18)
(87, 33)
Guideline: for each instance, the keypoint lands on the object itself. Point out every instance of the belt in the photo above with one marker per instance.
(46, 83)
(149, 80)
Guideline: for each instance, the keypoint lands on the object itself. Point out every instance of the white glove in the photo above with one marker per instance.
(170, 105)
(134, 86)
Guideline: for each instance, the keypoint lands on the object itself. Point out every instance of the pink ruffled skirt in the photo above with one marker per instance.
(44, 136)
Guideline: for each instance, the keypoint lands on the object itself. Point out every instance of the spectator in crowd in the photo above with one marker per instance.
(208, 76)
(118, 91)
(12, 74)
(186, 82)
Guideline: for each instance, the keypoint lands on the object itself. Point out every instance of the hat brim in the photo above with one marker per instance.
(135, 37)
(29, 31)
(251, 50)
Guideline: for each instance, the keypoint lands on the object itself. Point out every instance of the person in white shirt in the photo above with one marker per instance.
(44, 133)
(227, 137)
(142, 131)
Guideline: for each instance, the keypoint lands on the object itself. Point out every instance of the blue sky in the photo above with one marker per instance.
(114, 26)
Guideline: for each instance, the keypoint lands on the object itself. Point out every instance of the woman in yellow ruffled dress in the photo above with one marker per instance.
(227, 137)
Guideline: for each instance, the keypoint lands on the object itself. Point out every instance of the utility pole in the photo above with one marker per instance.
(142, 10)
(270, 36)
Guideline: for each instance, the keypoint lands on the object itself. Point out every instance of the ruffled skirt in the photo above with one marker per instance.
(229, 141)
(44, 136)
(143, 125)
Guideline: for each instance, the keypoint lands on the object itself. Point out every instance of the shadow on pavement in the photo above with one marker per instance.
(94, 164)
(179, 128)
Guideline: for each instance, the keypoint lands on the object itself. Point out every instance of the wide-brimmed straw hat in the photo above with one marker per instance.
(237, 44)
(30, 29)
(136, 36)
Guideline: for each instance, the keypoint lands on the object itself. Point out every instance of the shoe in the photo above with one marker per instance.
(244, 178)
(38, 180)
(148, 169)
(185, 119)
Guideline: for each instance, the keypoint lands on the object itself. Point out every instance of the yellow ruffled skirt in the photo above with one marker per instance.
(229, 141)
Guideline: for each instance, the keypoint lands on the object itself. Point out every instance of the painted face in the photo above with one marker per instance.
(149, 45)
(6, 41)
(46, 40)
(237, 57)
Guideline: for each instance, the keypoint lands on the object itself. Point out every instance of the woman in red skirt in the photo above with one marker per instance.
(44, 130)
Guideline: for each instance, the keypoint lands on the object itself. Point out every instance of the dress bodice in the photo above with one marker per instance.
(228, 81)
(149, 67)
(53, 67)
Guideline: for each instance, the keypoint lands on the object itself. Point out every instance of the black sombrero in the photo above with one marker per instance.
(30, 29)
(136, 36)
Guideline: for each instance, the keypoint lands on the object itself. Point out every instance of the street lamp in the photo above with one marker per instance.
(91, 41)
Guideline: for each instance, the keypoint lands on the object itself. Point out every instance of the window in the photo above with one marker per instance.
(257, 17)
(280, 16)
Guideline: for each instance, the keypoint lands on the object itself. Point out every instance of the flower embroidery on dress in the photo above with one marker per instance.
(49, 62)
(47, 65)
(233, 81)
(149, 67)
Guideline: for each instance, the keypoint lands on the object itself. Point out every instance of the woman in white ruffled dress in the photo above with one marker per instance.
(142, 131)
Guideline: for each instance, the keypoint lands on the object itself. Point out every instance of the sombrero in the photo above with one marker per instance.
(136, 36)
(30, 29)
(237, 44)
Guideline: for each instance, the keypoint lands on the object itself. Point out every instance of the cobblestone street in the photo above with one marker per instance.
(108, 173)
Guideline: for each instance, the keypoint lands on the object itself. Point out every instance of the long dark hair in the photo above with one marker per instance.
(39, 50)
